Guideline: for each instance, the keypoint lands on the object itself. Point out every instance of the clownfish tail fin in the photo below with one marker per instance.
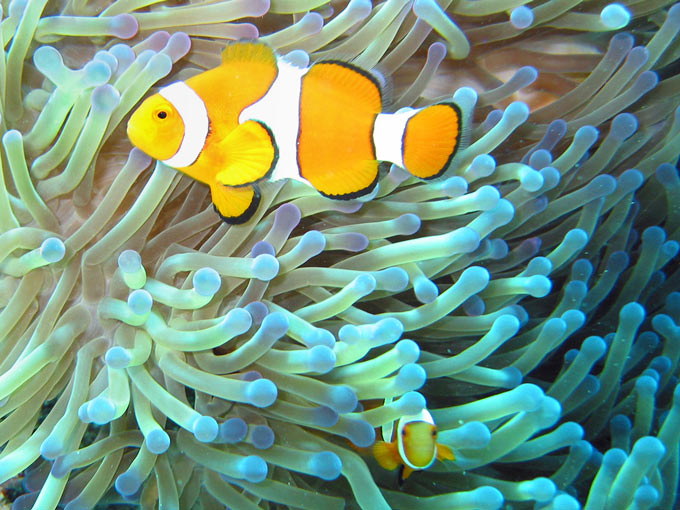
(431, 138)
(422, 141)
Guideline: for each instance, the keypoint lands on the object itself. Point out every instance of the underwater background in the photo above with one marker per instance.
(153, 357)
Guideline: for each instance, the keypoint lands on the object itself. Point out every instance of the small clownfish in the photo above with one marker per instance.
(258, 117)
(415, 448)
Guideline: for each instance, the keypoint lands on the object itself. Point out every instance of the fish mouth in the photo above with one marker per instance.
(133, 134)
(139, 139)
(146, 141)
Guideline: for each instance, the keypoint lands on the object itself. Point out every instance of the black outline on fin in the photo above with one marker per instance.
(354, 194)
(359, 70)
(443, 169)
(248, 213)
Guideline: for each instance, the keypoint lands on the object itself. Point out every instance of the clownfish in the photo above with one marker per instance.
(415, 447)
(258, 117)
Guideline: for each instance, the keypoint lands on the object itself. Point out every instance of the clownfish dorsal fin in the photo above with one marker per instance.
(248, 51)
(235, 205)
(250, 154)
(444, 452)
(386, 454)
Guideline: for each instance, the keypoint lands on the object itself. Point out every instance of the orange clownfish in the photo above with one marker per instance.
(415, 447)
(258, 117)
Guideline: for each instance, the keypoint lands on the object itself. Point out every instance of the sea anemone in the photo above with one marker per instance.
(154, 357)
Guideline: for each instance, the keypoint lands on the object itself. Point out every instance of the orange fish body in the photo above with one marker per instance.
(258, 117)
(415, 446)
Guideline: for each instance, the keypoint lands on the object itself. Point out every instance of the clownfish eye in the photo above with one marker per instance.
(161, 114)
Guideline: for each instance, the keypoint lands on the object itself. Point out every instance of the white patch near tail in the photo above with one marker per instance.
(388, 135)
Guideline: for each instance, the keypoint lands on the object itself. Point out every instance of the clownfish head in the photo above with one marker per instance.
(418, 444)
(156, 128)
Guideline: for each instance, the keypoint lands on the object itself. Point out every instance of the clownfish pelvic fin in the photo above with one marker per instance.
(235, 205)
(404, 473)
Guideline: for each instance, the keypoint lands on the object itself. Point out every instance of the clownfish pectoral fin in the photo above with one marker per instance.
(444, 452)
(250, 152)
(235, 205)
(386, 454)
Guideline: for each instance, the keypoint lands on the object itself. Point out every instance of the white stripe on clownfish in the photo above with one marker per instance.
(194, 115)
(279, 110)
